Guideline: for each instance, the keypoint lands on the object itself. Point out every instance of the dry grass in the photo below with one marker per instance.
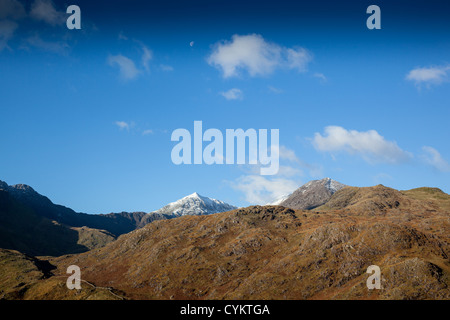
(272, 252)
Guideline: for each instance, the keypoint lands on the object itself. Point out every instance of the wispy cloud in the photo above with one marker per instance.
(59, 47)
(127, 67)
(132, 126)
(297, 166)
(131, 68)
(44, 10)
(232, 94)
(7, 29)
(256, 56)
(370, 145)
(147, 132)
(123, 125)
(146, 57)
(296, 58)
(11, 9)
(274, 90)
(428, 75)
(432, 157)
(288, 154)
(259, 189)
(10, 12)
(122, 36)
(165, 67)
(320, 76)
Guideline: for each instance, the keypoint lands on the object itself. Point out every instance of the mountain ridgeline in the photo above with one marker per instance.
(191, 250)
(33, 224)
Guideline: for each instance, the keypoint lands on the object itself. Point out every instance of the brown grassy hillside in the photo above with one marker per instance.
(271, 252)
(278, 253)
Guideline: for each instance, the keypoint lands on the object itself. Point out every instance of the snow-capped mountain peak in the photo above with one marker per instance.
(194, 204)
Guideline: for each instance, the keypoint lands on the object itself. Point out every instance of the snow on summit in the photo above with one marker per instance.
(194, 205)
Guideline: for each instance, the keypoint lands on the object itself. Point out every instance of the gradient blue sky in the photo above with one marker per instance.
(86, 115)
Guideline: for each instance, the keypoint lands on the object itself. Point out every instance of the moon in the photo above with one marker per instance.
(191, 43)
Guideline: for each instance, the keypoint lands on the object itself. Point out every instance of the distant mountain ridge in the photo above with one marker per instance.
(33, 224)
(115, 223)
(312, 194)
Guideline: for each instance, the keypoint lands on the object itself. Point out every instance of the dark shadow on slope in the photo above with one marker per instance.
(23, 230)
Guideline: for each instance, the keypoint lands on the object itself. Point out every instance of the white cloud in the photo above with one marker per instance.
(428, 76)
(11, 9)
(44, 10)
(298, 58)
(232, 94)
(434, 158)
(370, 145)
(274, 90)
(289, 171)
(7, 29)
(146, 57)
(165, 67)
(255, 55)
(59, 47)
(123, 125)
(261, 190)
(126, 66)
(320, 76)
(147, 132)
(288, 154)
(382, 178)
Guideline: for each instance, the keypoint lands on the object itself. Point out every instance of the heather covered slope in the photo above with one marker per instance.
(380, 200)
(272, 252)
(432, 195)
(25, 277)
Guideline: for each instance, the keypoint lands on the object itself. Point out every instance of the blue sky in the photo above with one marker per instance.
(86, 115)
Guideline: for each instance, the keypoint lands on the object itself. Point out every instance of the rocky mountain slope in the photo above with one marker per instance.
(272, 252)
(311, 194)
